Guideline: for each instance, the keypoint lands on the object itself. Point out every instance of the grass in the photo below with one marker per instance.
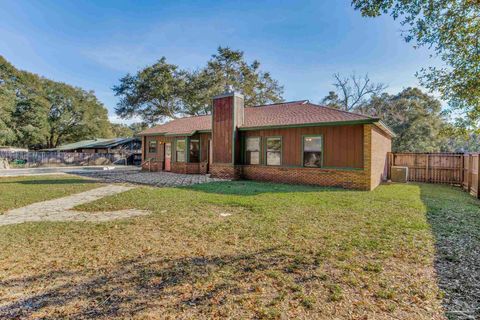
(20, 191)
(234, 250)
(455, 221)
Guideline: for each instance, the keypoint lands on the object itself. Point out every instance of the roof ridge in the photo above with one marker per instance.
(340, 110)
(180, 118)
(194, 116)
(277, 103)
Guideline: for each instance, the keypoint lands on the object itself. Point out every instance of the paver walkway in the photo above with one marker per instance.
(60, 209)
(158, 179)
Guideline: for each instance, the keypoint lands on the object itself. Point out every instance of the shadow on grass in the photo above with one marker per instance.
(454, 217)
(137, 285)
(251, 188)
(49, 181)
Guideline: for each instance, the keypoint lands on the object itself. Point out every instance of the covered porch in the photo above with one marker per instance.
(187, 154)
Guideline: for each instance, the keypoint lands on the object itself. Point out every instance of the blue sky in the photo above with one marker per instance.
(92, 44)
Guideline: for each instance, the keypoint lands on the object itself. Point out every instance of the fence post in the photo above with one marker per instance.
(478, 176)
(469, 173)
(427, 168)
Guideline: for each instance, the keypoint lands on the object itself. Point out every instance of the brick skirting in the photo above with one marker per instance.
(345, 178)
(153, 165)
(225, 171)
(185, 167)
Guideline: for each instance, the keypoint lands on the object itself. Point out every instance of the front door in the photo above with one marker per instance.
(168, 156)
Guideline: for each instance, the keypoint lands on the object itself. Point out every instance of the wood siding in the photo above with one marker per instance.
(161, 140)
(159, 155)
(222, 130)
(204, 138)
(342, 145)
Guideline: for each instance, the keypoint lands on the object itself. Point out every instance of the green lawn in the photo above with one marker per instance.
(236, 250)
(20, 191)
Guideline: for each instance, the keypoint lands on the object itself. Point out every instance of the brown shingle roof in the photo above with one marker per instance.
(180, 126)
(295, 113)
(279, 114)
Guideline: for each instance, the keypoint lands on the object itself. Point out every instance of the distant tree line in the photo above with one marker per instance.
(416, 117)
(36, 112)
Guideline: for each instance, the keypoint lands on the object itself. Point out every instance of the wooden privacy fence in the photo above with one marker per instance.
(460, 169)
(36, 159)
(471, 176)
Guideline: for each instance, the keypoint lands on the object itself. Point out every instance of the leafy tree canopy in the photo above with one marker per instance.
(414, 116)
(163, 90)
(452, 29)
(37, 113)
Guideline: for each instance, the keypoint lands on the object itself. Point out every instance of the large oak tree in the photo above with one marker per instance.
(37, 113)
(164, 91)
(451, 28)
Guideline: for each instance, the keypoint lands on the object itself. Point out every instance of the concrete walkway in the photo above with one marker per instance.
(63, 170)
(60, 209)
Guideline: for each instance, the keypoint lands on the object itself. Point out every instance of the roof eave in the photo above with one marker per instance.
(313, 124)
(167, 134)
(383, 126)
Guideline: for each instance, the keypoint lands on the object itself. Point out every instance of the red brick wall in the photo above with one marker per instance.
(203, 167)
(349, 179)
(185, 167)
(152, 165)
(224, 171)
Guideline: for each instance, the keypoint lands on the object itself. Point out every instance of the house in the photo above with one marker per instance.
(130, 147)
(294, 142)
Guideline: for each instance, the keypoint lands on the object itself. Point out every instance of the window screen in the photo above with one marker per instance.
(180, 151)
(252, 150)
(152, 146)
(274, 151)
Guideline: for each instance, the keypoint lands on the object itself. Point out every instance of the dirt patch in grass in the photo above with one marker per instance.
(17, 192)
(280, 252)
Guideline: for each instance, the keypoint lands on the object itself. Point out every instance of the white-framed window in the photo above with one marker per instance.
(252, 150)
(180, 150)
(312, 151)
(274, 151)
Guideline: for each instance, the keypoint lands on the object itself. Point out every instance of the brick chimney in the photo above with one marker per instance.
(227, 116)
